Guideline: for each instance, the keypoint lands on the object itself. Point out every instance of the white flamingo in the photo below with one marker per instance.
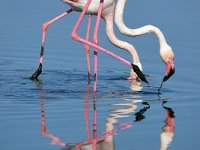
(166, 52)
(102, 9)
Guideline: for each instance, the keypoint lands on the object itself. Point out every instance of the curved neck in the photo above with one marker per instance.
(114, 40)
(135, 32)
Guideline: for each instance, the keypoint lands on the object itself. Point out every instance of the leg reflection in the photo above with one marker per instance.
(93, 141)
(54, 139)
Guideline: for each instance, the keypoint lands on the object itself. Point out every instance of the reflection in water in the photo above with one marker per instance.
(55, 139)
(167, 133)
(44, 132)
(112, 124)
(139, 116)
(104, 142)
(135, 85)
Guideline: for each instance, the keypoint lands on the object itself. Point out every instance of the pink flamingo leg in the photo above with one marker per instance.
(76, 37)
(44, 28)
(87, 49)
(95, 41)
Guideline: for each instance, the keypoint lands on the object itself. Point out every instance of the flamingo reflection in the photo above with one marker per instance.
(54, 139)
(112, 124)
(139, 116)
(167, 133)
(94, 142)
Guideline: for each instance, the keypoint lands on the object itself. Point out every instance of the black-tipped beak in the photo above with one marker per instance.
(167, 76)
(139, 73)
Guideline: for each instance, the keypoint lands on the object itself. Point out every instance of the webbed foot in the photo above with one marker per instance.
(37, 73)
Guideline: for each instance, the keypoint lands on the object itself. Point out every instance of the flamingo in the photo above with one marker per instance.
(106, 10)
(166, 52)
(102, 9)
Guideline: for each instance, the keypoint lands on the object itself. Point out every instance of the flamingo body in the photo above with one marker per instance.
(166, 52)
(109, 10)
(78, 5)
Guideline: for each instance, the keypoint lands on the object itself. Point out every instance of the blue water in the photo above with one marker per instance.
(60, 110)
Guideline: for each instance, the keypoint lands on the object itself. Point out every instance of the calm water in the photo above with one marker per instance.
(61, 112)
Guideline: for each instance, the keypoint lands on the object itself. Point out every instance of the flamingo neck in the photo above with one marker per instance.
(119, 9)
(121, 44)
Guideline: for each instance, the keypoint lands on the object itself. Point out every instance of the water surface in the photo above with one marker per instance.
(60, 111)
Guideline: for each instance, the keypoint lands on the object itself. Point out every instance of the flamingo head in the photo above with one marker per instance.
(137, 72)
(167, 56)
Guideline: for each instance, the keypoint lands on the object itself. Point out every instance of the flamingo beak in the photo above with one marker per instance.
(139, 73)
(170, 69)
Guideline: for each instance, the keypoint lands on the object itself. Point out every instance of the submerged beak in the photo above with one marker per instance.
(139, 73)
(170, 70)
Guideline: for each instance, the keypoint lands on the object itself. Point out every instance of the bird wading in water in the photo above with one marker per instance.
(109, 11)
